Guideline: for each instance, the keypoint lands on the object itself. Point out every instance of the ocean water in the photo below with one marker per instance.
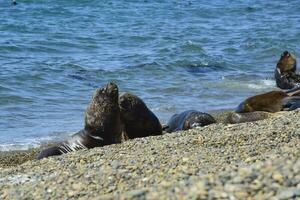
(175, 55)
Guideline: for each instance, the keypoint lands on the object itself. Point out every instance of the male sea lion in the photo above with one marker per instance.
(138, 120)
(187, 120)
(102, 124)
(285, 72)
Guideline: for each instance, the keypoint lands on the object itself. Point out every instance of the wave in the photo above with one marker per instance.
(28, 143)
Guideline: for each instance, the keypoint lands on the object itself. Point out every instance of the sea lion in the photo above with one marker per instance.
(102, 124)
(235, 118)
(187, 120)
(269, 102)
(291, 103)
(138, 119)
(285, 72)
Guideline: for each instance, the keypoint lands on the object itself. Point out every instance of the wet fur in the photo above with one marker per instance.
(269, 102)
(235, 118)
(285, 72)
(187, 120)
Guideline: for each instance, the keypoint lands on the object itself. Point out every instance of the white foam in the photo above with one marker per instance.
(12, 147)
(169, 108)
(28, 143)
(262, 84)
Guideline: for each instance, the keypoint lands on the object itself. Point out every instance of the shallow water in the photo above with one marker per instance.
(176, 55)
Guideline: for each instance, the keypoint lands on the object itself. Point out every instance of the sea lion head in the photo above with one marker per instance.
(138, 119)
(109, 92)
(195, 118)
(287, 62)
(131, 103)
(102, 99)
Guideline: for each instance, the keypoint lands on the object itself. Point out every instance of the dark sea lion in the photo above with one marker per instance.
(137, 118)
(285, 72)
(102, 124)
(291, 103)
(187, 120)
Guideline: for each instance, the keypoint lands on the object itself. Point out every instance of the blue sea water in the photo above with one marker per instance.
(176, 55)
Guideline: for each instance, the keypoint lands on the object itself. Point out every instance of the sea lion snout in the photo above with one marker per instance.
(110, 90)
(111, 87)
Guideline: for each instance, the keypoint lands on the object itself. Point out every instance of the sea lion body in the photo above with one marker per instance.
(235, 118)
(187, 120)
(137, 118)
(102, 124)
(269, 102)
(291, 103)
(285, 72)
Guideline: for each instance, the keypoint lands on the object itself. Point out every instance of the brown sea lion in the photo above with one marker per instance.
(269, 102)
(285, 72)
(138, 119)
(273, 101)
(187, 120)
(102, 124)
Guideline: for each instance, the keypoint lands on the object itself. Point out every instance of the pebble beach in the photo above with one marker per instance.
(254, 160)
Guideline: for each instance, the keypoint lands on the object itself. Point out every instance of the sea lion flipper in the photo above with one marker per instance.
(294, 91)
(52, 151)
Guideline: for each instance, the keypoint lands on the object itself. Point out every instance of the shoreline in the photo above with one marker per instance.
(16, 157)
(249, 160)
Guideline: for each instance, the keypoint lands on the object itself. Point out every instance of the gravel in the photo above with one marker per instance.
(257, 160)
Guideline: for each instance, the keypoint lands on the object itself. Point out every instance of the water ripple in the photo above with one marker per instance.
(176, 55)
